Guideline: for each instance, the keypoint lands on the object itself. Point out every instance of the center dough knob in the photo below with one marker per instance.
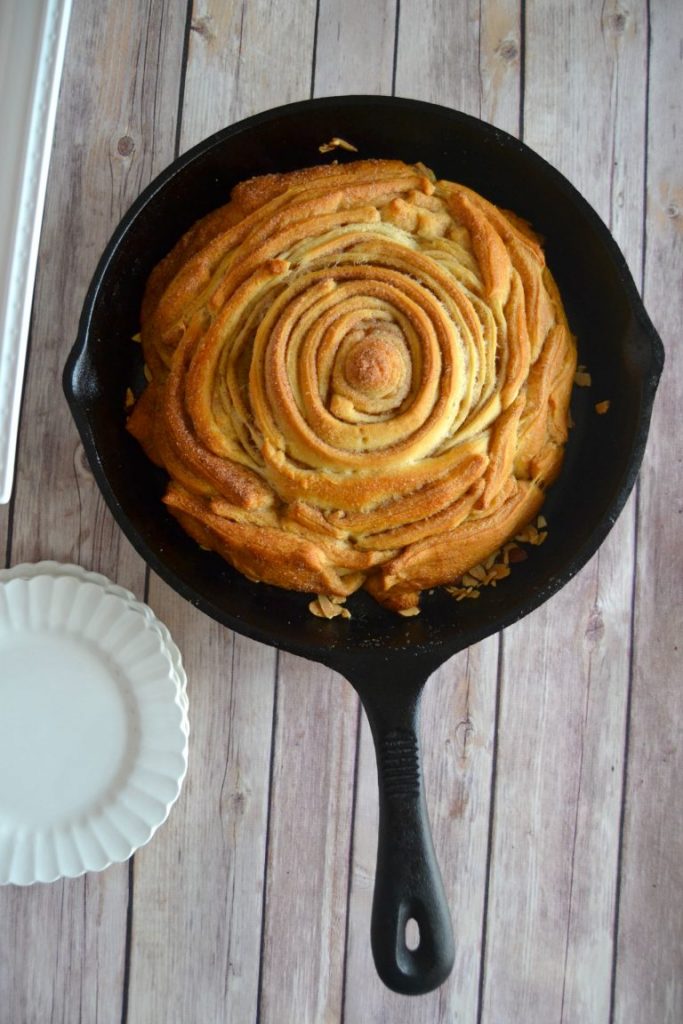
(374, 367)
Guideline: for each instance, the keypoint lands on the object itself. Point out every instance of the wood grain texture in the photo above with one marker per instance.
(355, 48)
(66, 956)
(113, 133)
(198, 887)
(438, 53)
(308, 848)
(555, 798)
(566, 667)
(62, 950)
(244, 57)
(500, 56)
(649, 967)
(459, 703)
(236, 66)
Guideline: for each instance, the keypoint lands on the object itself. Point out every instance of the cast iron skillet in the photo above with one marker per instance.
(385, 657)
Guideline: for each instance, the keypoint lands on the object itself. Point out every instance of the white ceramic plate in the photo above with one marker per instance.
(93, 728)
(48, 567)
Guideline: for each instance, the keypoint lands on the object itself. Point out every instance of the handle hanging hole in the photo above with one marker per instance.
(412, 934)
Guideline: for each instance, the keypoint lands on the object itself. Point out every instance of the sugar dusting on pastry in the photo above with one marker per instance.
(358, 376)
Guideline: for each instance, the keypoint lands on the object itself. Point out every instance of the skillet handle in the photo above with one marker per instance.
(408, 883)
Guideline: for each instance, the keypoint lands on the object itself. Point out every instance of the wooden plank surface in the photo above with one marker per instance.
(553, 760)
(649, 964)
(197, 907)
(113, 132)
(459, 703)
(209, 970)
(565, 678)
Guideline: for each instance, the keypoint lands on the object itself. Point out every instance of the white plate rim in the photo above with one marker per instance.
(50, 567)
(75, 864)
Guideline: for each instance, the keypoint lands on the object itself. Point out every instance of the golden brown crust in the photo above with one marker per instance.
(360, 376)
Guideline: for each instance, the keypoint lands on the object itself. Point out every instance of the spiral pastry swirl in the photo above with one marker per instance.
(359, 376)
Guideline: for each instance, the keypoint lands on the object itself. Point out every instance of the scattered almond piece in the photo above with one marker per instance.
(148, 374)
(137, 338)
(408, 613)
(528, 535)
(541, 522)
(337, 143)
(460, 593)
(582, 379)
(130, 398)
(324, 607)
(602, 407)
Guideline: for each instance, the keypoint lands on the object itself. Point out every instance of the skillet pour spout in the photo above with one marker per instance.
(386, 658)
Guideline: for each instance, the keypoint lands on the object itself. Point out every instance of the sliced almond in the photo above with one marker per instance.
(582, 379)
(479, 573)
(469, 580)
(527, 535)
(408, 613)
(602, 407)
(337, 143)
(130, 398)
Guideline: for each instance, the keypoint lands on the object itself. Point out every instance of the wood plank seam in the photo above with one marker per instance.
(481, 988)
(636, 526)
(489, 841)
(183, 74)
(627, 746)
(522, 66)
(359, 718)
(129, 941)
(577, 801)
(266, 845)
(130, 910)
(315, 48)
(397, 29)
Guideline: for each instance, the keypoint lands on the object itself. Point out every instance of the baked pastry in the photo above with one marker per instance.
(358, 376)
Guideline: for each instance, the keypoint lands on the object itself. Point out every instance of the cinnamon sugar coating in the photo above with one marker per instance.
(360, 376)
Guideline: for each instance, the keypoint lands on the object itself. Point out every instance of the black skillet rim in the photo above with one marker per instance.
(330, 649)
